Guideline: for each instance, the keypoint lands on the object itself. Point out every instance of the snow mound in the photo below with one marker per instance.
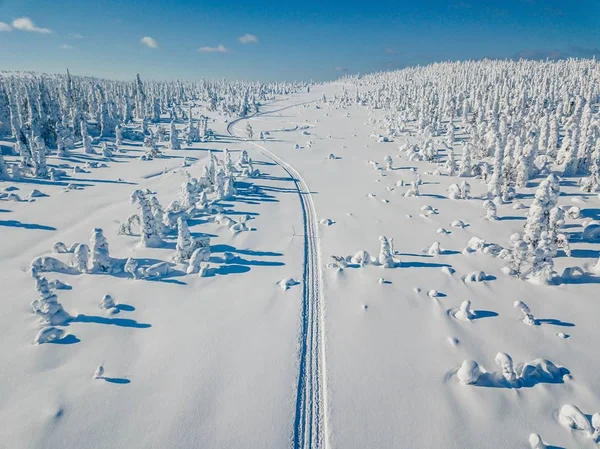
(286, 283)
(49, 334)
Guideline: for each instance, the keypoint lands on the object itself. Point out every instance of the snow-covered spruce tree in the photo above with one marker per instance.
(185, 243)
(249, 131)
(149, 237)
(106, 150)
(243, 160)
(47, 306)
(140, 98)
(229, 165)
(39, 160)
(187, 197)
(450, 164)
(118, 136)
(537, 233)
(174, 138)
(86, 139)
(81, 255)
(131, 267)
(388, 163)
(517, 255)
(220, 185)
(450, 133)
(553, 137)
(592, 183)
(465, 167)
(230, 191)
(508, 171)
(557, 239)
(156, 111)
(157, 213)
(538, 217)
(4, 175)
(386, 258)
(495, 183)
(200, 254)
(99, 258)
(490, 210)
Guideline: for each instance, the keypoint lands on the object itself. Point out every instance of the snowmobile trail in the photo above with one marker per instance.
(310, 423)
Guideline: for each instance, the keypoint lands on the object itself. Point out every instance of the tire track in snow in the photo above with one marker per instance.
(310, 422)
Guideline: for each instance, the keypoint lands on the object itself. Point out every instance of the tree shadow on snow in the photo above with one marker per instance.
(423, 265)
(117, 380)
(69, 339)
(224, 270)
(554, 322)
(121, 322)
(18, 224)
(479, 314)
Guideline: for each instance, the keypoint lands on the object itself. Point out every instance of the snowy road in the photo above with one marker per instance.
(310, 423)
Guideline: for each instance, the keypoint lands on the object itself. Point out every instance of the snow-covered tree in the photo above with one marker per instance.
(149, 237)
(386, 258)
(465, 166)
(185, 242)
(174, 138)
(99, 257)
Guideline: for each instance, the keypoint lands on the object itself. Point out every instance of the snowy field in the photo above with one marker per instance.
(317, 273)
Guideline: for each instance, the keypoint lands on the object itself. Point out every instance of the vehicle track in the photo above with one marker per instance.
(310, 422)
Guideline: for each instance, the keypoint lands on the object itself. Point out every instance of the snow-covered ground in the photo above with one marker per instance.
(359, 357)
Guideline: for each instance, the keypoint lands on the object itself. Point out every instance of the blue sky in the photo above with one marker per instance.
(304, 39)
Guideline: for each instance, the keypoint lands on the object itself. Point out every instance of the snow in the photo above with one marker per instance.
(209, 351)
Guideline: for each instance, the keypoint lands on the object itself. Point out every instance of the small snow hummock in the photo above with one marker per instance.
(475, 276)
(99, 372)
(469, 372)
(571, 417)
(49, 334)
(535, 441)
(286, 283)
(326, 222)
(107, 303)
(465, 312)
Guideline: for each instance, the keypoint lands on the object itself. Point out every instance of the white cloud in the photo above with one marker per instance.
(5, 27)
(248, 39)
(341, 69)
(66, 46)
(149, 42)
(74, 36)
(218, 49)
(26, 24)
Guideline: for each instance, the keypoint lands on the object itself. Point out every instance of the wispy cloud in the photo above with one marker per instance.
(66, 46)
(149, 42)
(341, 69)
(390, 51)
(5, 27)
(26, 24)
(74, 36)
(248, 39)
(583, 52)
(218, 49)
(538, 54)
